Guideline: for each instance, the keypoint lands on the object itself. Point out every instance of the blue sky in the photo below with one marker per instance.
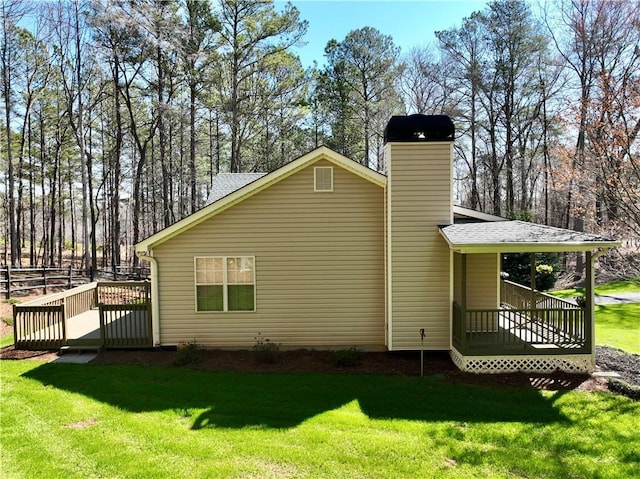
(409, 22)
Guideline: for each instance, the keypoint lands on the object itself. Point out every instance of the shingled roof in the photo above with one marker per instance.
(519, 236)
(224, 184)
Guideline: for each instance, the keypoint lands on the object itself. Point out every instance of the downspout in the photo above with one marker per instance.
(590, 306)
(155, 308)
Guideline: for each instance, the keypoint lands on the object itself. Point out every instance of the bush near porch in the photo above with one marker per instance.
(518, 267)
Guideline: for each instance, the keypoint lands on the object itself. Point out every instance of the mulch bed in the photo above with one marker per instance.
(302, 361)
(10, 352)
(627, 365)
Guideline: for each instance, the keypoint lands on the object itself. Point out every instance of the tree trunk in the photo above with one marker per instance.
(7, 93)
(192, 145)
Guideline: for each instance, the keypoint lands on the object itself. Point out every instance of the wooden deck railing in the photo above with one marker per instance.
(516, 296)
(529, 322)
(123, 292)
(43, 323)
(125, 325)
(39, 327)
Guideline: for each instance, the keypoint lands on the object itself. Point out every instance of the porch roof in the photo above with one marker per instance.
(516, 236)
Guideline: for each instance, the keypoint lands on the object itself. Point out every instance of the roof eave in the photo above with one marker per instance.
(533, 247)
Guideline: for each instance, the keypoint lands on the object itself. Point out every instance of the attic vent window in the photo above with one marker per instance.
(323, 176)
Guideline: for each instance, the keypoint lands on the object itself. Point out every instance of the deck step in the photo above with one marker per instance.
(79, 349)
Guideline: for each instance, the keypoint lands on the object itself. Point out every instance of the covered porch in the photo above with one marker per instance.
(527, 322)
(500, 326)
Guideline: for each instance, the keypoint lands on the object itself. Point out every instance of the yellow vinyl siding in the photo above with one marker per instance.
(319, 267)
(418, 201)
(483, 283)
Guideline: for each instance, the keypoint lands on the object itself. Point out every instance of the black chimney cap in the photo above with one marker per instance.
(419, 128)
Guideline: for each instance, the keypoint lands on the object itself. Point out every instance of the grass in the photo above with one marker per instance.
(6, 340)
(617, 325)
(129, 421)
(626, 286)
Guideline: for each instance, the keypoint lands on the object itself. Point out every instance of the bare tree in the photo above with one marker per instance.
(198, 56)
(12, 13)
(421, 82)
(251, 32)
(602, 54)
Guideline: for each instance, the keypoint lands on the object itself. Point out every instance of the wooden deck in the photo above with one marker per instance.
(116, 315)
(84, 326)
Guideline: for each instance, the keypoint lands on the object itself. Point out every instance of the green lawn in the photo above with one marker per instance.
(6, 340)
(626, 286)
(115, 421)
(617, 325)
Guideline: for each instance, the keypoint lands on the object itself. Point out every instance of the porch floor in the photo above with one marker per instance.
(521, 333)
(85, 325)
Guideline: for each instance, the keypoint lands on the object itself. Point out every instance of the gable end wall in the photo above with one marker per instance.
(319, 261)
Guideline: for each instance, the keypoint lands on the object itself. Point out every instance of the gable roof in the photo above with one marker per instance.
(513, 236)
(248, 185)
(224, 184)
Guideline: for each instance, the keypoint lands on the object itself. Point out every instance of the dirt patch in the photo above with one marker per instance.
(5, 328)
(6, 312)
(81, 424)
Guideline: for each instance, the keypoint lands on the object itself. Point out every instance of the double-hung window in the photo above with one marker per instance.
(225, 283)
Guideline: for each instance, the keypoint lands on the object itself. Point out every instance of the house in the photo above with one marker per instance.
(326, 253)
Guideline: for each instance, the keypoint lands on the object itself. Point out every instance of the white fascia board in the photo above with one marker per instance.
(531, 247)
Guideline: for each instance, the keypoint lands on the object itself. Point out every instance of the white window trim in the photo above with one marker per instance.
(315, 179)
(225, 299)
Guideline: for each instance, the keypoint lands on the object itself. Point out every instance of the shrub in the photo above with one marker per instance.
(265, 351)
(188, 353)
(518, 267)
(545, 277)
(346, 357)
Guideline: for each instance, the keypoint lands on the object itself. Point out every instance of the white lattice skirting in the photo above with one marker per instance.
(581, 363)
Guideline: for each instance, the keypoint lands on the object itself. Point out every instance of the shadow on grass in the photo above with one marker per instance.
(618, 316)
(238, 400)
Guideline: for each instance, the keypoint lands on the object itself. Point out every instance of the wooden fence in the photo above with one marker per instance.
(20, 280)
